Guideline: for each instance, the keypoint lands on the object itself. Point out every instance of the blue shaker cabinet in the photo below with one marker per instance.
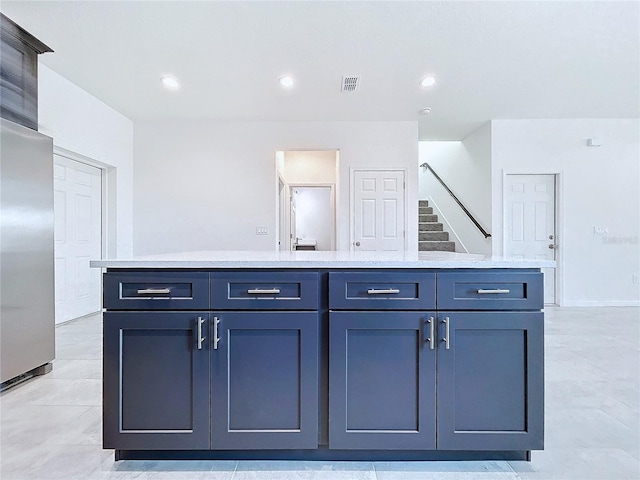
(226, 379)
(320, 363)
(382, 381)
(156, 381)
(490, 360)
(490, 381)
(396, 374)
(264, 361)
(264, 383)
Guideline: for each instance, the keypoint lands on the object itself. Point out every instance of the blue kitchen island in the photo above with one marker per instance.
(323, 355)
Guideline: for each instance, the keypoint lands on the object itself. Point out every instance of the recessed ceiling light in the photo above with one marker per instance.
(286, 81)
(428, 81)
(425, 111)
(170, 82)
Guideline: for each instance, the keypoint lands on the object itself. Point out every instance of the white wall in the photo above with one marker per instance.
(205, 185)
(309, 167)
(599, 186)
(80, 123)
(465, 167)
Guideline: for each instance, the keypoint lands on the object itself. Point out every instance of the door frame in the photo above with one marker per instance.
(559, 223)
(352, 201)
(336, 192)
(282, 211)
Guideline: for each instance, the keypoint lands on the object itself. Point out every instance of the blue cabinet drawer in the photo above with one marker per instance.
(382, 291)
(156, 291)
(490, 291)
(265, 291)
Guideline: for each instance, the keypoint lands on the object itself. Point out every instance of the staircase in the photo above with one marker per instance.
(431, 236)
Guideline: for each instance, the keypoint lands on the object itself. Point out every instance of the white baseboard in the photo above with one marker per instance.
(602, 303)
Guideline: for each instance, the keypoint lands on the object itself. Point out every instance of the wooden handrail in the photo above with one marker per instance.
(464, 209)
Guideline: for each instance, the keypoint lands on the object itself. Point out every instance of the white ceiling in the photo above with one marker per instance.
(531, 59)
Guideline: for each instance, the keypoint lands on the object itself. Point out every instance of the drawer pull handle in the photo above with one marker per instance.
(431, 338)
(374, 291)
(446, 333)
(200, 337)
(216, 338)
(496, 290)
(154, 291)
(262, 291)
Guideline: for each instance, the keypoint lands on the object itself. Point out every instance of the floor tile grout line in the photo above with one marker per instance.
(233, 475)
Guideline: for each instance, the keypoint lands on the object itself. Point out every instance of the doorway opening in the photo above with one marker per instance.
(306, 198)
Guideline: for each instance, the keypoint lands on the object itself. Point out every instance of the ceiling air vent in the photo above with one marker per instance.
(350, 83)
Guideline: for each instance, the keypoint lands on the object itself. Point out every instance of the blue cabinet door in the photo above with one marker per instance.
(264, 389)
(490, 381)
(382, 381)
(156, 381)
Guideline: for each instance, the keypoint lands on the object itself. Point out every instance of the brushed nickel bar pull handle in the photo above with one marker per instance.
(374, 291)
(200, 337)
(258, 291)
(495, 290)
(446, 332)
(153, 291)
(432, 337)
(216, 338)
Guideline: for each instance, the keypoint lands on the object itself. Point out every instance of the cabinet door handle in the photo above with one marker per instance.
(200, 337)
(431, 338)
(375, 291)
(495, 290)
(258, 291)
(216, 338)
(154, 291)
(446, 333)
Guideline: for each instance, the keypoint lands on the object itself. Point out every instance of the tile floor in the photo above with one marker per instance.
(50, 427)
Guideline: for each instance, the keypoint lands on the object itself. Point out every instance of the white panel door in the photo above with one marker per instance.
(379, 210)
(530, 223)
(78, 237)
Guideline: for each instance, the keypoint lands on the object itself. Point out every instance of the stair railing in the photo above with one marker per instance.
(464, 209)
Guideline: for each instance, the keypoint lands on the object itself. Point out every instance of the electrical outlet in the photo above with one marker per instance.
(262, 230)
(634, 278)
(600, 230)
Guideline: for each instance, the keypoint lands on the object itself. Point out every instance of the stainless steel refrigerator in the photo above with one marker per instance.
(27, 323)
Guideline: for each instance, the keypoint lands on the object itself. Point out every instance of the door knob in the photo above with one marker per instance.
(357, 244)
(552, 246)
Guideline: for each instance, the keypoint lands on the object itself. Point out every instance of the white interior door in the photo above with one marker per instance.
(530, 223)
(78, 237)
(378, 222)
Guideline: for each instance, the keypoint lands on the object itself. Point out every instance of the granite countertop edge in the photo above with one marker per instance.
(319, 259)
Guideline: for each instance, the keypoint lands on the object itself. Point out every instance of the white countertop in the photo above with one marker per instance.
(319, 259)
